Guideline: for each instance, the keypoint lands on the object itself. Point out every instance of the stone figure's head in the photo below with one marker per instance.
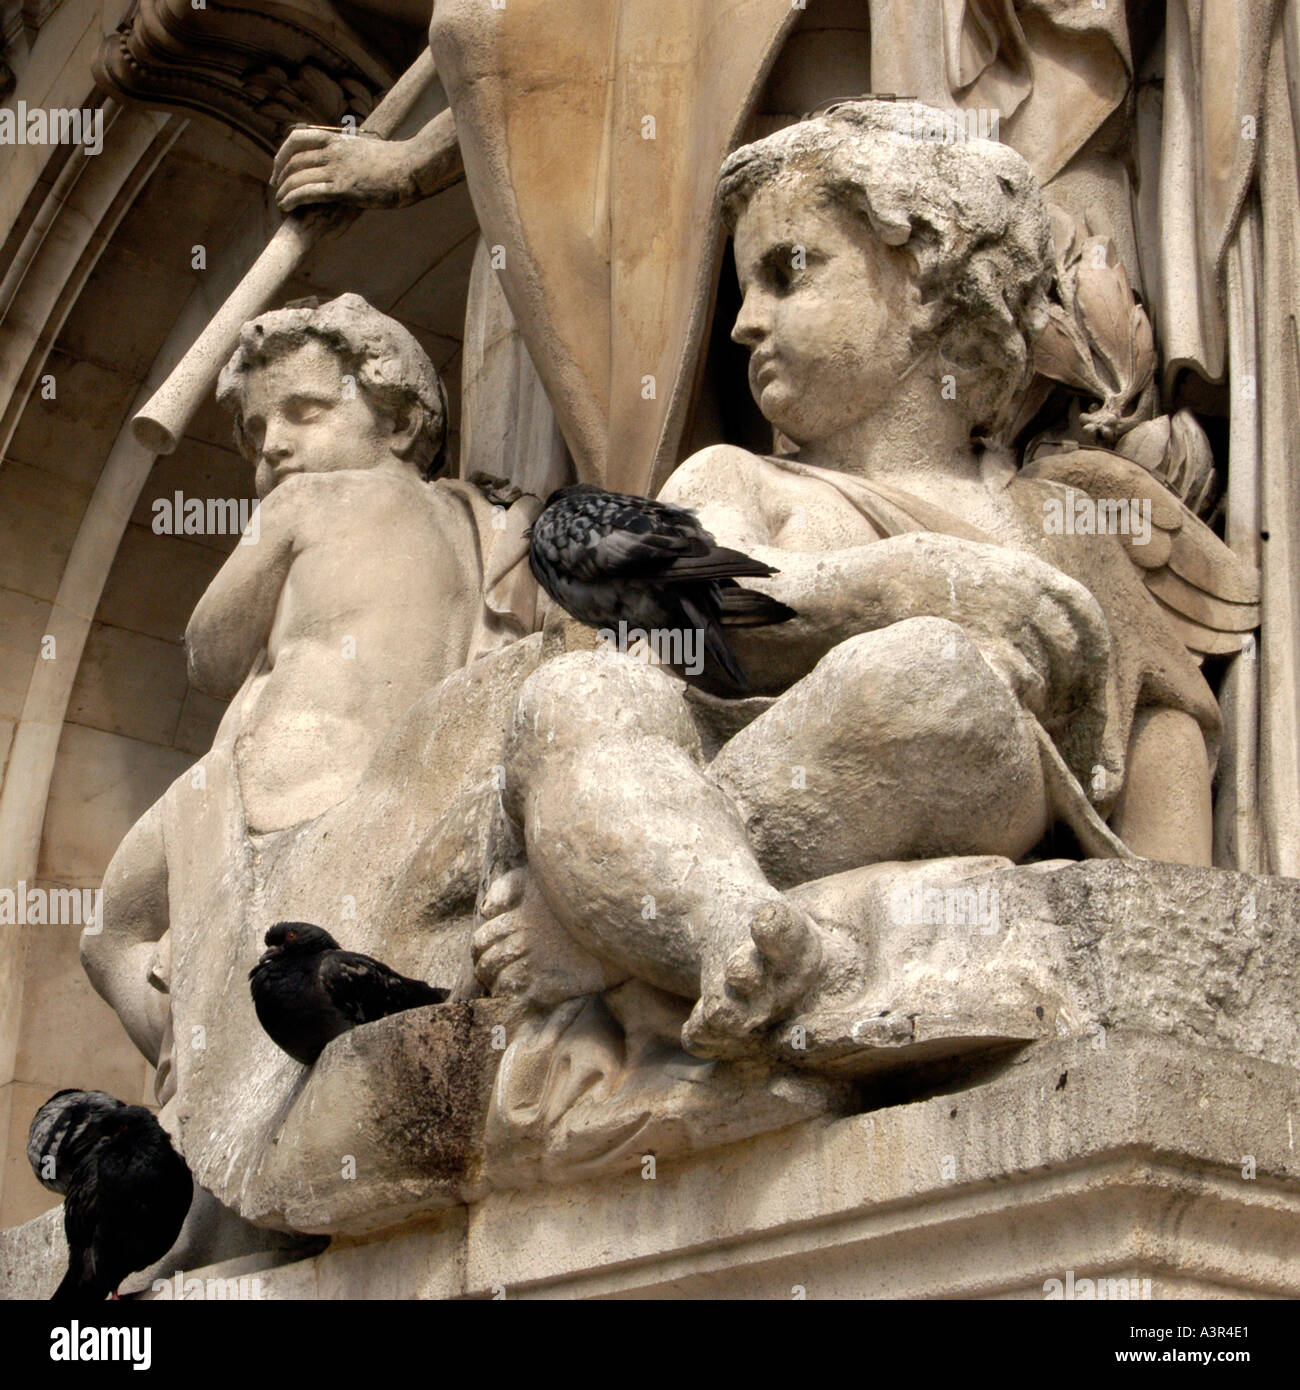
(867, 251)
(332, 386)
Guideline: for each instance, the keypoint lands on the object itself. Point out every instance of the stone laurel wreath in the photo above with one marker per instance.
(1098, 342)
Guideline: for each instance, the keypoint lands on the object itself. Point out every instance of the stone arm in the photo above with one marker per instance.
(1038, 627)
(319, 164)
(232, 622)
(127, 955)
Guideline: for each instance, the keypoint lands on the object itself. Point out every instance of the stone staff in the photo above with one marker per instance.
(159, 425)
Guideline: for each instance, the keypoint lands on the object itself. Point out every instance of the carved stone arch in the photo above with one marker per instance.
(257, 66)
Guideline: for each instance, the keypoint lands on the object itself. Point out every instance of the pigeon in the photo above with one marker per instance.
(607, 557)
(63, 1131)
(307, 991)
(127, 1190)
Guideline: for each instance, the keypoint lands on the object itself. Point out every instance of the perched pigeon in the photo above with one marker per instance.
(127, 1190)
(63, 1131)
(307, 991)
(607, 557)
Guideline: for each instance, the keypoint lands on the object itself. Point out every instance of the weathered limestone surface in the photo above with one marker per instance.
(1199, 954)
(446, 1105)
(1198, 957)
(788, 947)
(1123, 1162)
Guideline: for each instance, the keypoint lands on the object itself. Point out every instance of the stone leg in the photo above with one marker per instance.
(899, 744)
(639, 856)
(649, 859)
(120, 958)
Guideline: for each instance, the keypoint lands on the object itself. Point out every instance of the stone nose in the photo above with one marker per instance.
(751, 325)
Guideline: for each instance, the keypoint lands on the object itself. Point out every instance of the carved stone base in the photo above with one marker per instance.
(1073, 1164)
(1122, 1163)
(441, 1106)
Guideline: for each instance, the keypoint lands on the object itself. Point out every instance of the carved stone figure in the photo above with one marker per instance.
(1187, 174)
(361, 586)
(1009, 425)
(971, 675)
(644, 140)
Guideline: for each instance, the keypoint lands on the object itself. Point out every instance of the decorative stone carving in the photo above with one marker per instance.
(259, 67)
(1097, 338)
(700, 919)
(955, 650)
(364, 627)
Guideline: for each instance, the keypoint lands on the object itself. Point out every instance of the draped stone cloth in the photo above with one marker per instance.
(1229, 208)
(1215, 60)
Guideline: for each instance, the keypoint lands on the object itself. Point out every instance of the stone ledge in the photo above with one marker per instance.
(1130, 1169)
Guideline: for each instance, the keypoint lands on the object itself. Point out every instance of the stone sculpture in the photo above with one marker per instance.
(696, 917)
(361, 587)
(1175, 147)
(1017, 449)
(967, 673)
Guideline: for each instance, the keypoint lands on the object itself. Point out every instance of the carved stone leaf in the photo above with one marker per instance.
(1144, 348)
(1098, 340)
(1105, 302)
(1175, 450)
(1062, 353)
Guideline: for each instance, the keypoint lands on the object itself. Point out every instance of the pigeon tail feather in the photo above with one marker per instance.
(748, 608)
(715, 644)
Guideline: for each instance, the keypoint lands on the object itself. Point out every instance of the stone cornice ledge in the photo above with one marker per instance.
(1125, 1163)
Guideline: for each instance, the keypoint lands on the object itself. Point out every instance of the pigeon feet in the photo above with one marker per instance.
(752, 985)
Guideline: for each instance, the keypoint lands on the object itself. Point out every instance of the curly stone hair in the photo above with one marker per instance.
(389, 365)
(968, 211)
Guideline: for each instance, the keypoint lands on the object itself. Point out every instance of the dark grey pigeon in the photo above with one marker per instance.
(607, 557)
(307, 991)
(63, 1131)
(127, 1190)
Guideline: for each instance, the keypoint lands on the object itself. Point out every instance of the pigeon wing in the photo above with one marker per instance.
(668, 543)
(699, 608)
(81, 1226)
(364, 989)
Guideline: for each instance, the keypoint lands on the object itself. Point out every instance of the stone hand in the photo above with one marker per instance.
(321, 164)
(521, 951)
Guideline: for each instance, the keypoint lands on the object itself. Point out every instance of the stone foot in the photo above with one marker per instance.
(756, 984)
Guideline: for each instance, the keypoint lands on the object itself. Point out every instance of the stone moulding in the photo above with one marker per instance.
(445, 1106)
(257, 68)
(1125, 1163)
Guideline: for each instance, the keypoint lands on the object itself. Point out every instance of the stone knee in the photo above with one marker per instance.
(902, 743)
(583, 700)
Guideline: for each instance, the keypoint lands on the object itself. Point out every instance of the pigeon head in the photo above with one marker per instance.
(298, 939)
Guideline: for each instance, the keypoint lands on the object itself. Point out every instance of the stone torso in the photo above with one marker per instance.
(376, 609)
